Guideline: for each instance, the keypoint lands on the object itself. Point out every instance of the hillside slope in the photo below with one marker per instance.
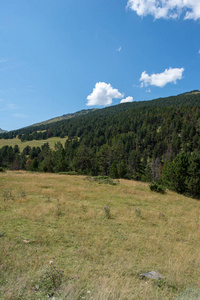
(190, 99)
(2, 131)
(65, 117)
(51, 220)
(132, 140)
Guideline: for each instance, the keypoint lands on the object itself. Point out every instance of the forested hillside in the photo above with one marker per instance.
(132, 140)
(65, 117)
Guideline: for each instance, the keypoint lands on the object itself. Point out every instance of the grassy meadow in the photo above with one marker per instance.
(68, 237)
(33, 143)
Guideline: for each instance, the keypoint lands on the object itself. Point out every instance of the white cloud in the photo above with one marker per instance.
(148, 91)
(19, 115)
(119, 49)
(127, 99)
(103, 94)
(199, 51)
(166, 8)
(161, 79)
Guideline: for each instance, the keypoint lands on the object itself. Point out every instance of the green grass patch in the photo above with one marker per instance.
(34, 143)
(71, 238)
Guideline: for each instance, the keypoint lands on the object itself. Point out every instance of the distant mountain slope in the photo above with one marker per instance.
(131, 140)
(65, 117)
(115, 119)
(2, 131)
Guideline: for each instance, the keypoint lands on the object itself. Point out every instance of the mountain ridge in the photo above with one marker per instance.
(140, 140)
(2, 131)
(128, 104)
(191, 98)
(64, 117)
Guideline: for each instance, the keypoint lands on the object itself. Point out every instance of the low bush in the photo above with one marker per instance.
(107, 211)
(156, 187)
(49, 281)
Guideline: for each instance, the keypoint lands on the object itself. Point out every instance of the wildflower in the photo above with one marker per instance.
(51, 262)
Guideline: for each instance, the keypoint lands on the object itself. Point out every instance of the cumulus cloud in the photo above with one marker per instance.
(166, 8)
(127, 99)
(161, 79)
(103, 94)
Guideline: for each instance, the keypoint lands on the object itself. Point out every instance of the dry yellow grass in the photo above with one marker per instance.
(34, 143)
(43, 216)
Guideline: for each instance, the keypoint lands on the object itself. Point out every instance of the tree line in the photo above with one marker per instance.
(141, 141)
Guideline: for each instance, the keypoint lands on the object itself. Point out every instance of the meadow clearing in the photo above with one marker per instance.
(69, 237)
(33, 143)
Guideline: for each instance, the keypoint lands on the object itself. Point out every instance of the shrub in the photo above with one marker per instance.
(107, 211)
(59, 211)
(7, 195)
(23, 194)
(50, 280)
(156, 187)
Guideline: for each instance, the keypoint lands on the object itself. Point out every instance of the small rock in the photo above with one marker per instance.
(151, 275)
(26, 241)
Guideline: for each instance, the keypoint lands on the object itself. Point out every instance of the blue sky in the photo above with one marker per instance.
(61, 56)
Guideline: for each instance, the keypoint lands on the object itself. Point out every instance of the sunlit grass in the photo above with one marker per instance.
(34, 143)
(59, 218)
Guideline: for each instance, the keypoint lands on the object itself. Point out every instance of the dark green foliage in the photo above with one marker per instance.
(176, 172)
(34, 165)
(27, 150)
(135, 166)
(147, 176)
(113, 171)
(16, 149)
(156, 187)
(183, 174)
(48, 164)
(141, 140)
(193, 179)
